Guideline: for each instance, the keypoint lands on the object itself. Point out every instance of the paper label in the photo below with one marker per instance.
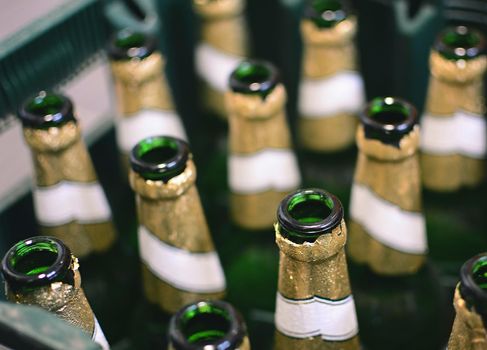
(333, 320)
(388, 223)
(270, 169)
(99, 337)
(193, 272)
(69, 201)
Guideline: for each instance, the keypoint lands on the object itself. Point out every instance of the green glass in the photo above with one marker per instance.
(479, 272)
(45, 110)
(128, 44)
(254, 77)
(461, 42)
(326, 13)
(204, 324)
(473, 284)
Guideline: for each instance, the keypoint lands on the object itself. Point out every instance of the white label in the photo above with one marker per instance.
(333, 320)
(462, 133)
(215, 66)
(388, 223)
(99, 337)
(146, 123)
(193, 272)
(268, 169)
(340, 93)
(69, 201)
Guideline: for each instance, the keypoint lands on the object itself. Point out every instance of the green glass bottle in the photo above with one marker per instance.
(453, 127)
(314, 307)
(68, 200)
(42, 271)
(179, 262)
(208, 325)
(470, 327)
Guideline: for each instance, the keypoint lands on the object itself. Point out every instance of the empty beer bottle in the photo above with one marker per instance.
(145, 106)
(68, 200)
(387, 227)
(41, 271)
(470, 301)
(331, 92)
(224, 43)
(453, 128)
(208, 325)
(314, 307)
(262, 167)
(179, 262)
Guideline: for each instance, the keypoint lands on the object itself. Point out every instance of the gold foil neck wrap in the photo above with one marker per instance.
(283, 342)
(210, 9)
(52, 139)
(328, 50)
(457, 71)
(314, 269)
(141, 84)
(468, 331)
(158, 189)
(256, 123)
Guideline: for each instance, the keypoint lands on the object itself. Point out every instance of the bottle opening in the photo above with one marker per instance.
(479, 273)
(325, 13)
(160, 157)
(473, 284)
(306, 214)
(128, 44)
(36, 261)
(254, 77)
(46, 110)
(460, 42)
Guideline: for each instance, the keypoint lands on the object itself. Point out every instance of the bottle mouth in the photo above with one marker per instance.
(460, 42)
(254, 77)
(473, 284)
(212, 325)
(46, 110)
(159, 157)
(388, 119)
(37, 261)
(128, 44)
(306, 214)
(325, 13)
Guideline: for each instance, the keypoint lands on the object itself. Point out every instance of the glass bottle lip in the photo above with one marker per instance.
(168, 166)
(254, 77)
(460, 42)
(127, 44)
(325, 13)
(388, 119)
(45, 110)
(232, 339)
(57, 269)
(300, 232)
(469, 288)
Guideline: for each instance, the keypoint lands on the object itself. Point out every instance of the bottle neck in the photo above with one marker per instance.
(46, 110)
(473, 285)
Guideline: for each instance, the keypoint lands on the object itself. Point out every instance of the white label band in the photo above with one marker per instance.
(215, 66)
(99, 337)
(388, 223)
(462, 133)
(333, 320)
(268, 169)
(69, 201)
(340, 93)
(193, 272)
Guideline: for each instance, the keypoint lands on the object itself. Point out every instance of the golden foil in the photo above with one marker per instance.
(62, 299)
(283, 342)
(141, 84)
(468, 331)
(60, 154)
(393, 174)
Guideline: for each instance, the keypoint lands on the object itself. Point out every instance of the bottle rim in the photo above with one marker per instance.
(467, 43)
(325, 13)
(232, 339)
(56, 270)
(56, 111)
(300, 232)
(174, 153)
(469, 288)
(254, 77)
(137, 45)
(388, 119)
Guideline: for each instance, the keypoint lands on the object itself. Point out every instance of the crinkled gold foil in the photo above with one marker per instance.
(468, 331)
(328, 51)
(457, 71)
(141, 84)
(257, 124)
(328, 134)
(255, 211)
(283, 342)
(52, 139)
(66, 301)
